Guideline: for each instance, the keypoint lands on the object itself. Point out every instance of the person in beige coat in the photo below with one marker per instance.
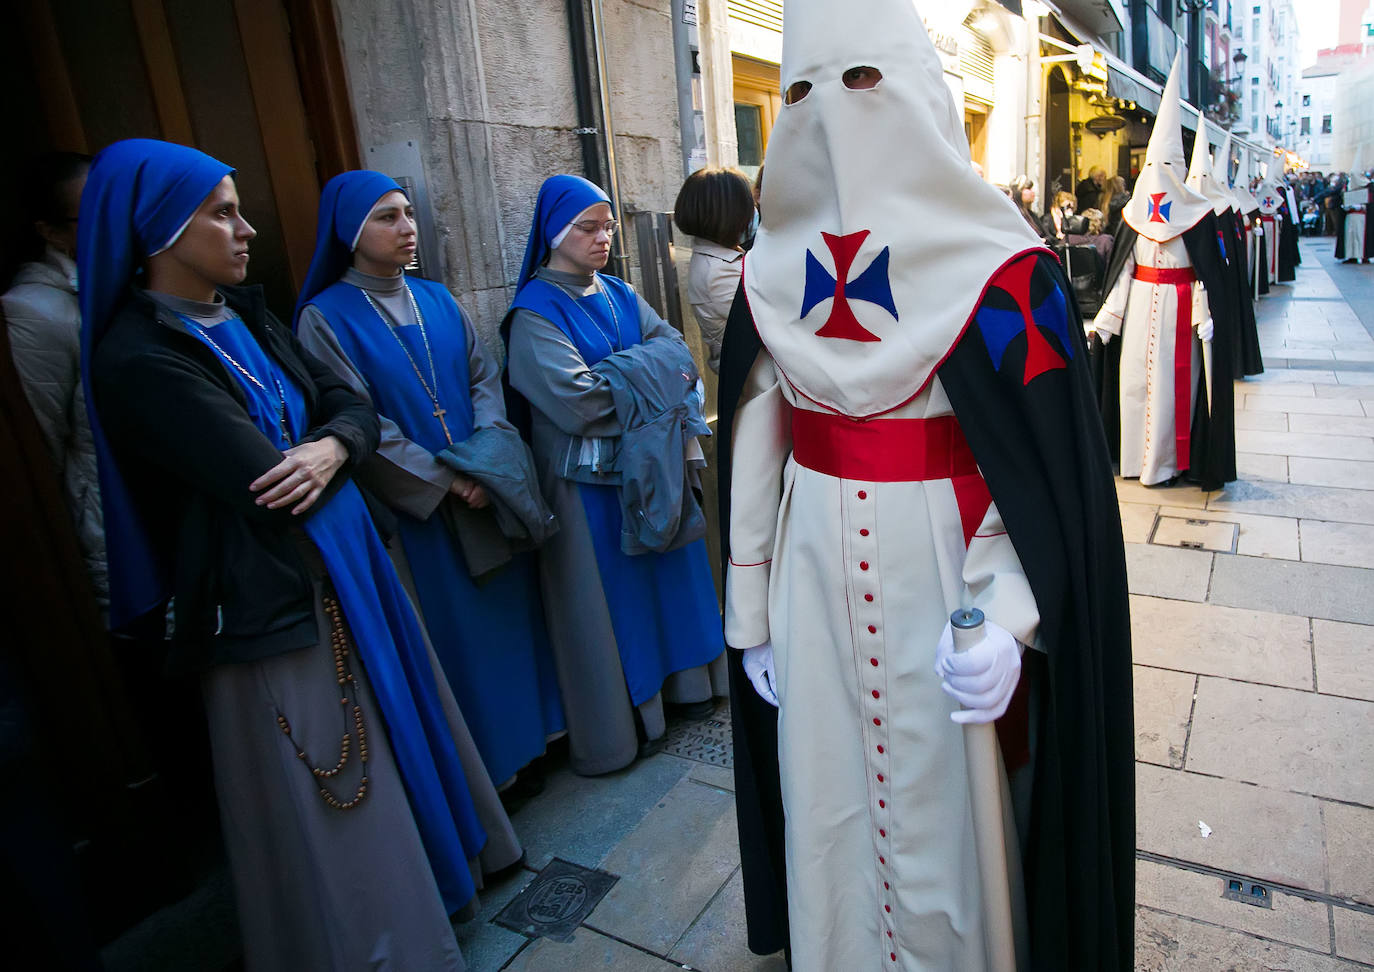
(716, 208)
(44, 323)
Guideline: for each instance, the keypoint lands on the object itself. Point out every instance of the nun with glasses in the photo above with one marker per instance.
(225, 456)
(404, 344)
(590, 360)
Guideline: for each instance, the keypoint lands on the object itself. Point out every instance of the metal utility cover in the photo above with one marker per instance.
(708, 741)
(558, 900)
(1196, 533)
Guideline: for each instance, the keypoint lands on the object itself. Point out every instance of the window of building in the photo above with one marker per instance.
(1305, 126)
(1307, 101)
(1254, 123)
(1326, 124)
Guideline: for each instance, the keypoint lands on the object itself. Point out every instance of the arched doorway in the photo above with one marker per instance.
(1058, 141)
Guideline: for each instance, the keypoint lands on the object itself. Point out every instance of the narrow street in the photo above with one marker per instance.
(1254, 708)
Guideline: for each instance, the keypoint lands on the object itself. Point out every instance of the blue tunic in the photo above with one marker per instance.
(384, 628)
(663, 606)
(490, 639)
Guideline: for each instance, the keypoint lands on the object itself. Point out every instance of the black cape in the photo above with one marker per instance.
(1041, 450)
(1246, 359)
(1212, 458)
(1289, 255)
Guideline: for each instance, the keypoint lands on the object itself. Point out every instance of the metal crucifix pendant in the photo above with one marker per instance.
(439, 413)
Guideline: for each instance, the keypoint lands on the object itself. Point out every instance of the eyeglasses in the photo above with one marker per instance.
(591, 226)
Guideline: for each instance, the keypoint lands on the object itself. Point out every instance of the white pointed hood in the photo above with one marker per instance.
(1162, 206)
(1221, 172)
(878, 238)
(1269, 196)
(1244, 197)
(1200, 177)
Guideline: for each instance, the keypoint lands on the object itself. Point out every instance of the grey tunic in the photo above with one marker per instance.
(568, 397)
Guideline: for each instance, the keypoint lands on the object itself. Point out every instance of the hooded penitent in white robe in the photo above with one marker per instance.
(858, 292)
(1271, 223)
(1155, 306)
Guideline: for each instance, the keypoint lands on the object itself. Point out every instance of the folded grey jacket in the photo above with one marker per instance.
(501, 462)
(654, 387)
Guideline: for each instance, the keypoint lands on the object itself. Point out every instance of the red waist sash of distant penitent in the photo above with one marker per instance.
(1181, 279)
(893, 450)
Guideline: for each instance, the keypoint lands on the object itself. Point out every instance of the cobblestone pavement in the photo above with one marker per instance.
(1252, 610)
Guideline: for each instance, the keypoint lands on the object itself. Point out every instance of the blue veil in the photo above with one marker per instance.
(561, 199)
(344, 204)
(139, 196)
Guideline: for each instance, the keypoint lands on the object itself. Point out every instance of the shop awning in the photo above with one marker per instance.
(1102, 17)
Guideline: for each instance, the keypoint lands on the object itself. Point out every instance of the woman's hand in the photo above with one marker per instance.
(301, 476)
(470, 492)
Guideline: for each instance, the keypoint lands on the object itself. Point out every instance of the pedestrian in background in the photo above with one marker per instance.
(716, 208)
(44, 319)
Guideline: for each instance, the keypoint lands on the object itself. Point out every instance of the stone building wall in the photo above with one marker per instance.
(486, 89)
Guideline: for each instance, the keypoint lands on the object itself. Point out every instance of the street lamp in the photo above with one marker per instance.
(1231, 106)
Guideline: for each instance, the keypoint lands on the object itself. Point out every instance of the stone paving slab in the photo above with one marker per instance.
(1283, 739)
(1166, 943)
(1331, 424)
(1259, 536)
(1292, 920)
(587, 952)
(1350, 855)
(1138, 521)
(1254, 465)
(1295, 500)
(1349, 392)
(1168, 571)
(670, 867)
(1343, 654)
(721, 777)
(1264, 421)
(1311, 590)
(1304, 444)
(1254, 646)
(1257, 387)
(1270, 835)
(1351, 544)
(1354, 931)
(717, 942)
(1130, 491)
(580, 818)
(1338, 473)
(1301, 406)
(1163, 703)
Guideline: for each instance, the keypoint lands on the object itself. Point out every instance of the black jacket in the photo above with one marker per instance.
(1040, 448)
(178, 423)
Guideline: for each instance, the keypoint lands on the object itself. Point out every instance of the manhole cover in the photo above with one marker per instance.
(708, 741)
(1196, 533)
(558, 900)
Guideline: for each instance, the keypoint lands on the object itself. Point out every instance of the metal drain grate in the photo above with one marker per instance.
(558, 900)
(1195, 533)
(709, 741)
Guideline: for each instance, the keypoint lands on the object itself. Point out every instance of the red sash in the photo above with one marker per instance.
(1181, 279)
(893, 450)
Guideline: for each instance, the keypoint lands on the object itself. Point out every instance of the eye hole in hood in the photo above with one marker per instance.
(862, 78)
(796, 91)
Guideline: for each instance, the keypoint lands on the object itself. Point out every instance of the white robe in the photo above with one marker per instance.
(1354, 235)
(1144, 315)
(1270, 227)
(853, 583)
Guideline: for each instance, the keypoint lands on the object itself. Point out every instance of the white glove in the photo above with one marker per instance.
(758, 665)
(1204, 331)
(1102, 335)
(981, 679)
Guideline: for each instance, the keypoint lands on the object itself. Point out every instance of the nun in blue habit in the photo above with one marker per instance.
(225, 453)
(404, 344)
(629, 632)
